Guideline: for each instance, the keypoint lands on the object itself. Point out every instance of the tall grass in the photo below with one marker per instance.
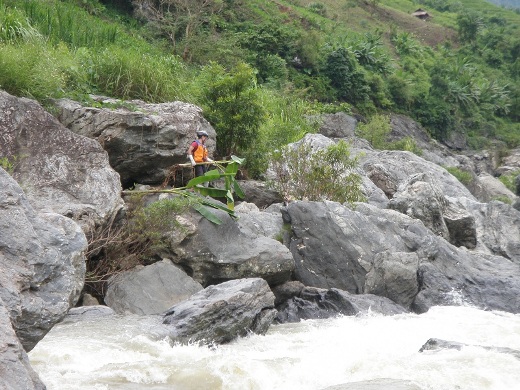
(132, 74)
(65, 22)
(36, 69)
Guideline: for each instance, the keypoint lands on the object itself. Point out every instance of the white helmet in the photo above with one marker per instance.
(200, 133)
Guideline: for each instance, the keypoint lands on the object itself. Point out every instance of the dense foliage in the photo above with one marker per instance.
(259, 67)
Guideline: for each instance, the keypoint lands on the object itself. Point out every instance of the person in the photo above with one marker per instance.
(198, 153)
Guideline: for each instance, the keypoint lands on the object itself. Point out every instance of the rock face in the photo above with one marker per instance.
(233, 250)
(497, 227)
(144, 143)
(337, 247)
(438, 344)
(59, 171)
(312, 303)
(15, 371)
(339, 125)
(42, 264)
(399, 166)
(221, 313)
(150, 290)
(420, 198)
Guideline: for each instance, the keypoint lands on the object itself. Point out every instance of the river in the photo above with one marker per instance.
(125, 353)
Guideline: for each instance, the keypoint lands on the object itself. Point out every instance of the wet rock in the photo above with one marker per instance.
(315, 303)
(434, 344)
(223, 312)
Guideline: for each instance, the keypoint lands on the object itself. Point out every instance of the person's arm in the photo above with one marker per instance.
(190, 155)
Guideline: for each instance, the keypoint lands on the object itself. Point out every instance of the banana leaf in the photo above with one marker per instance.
(207, 177)
(206, 213)
(238, 160)
(238, 190)
(213, 192)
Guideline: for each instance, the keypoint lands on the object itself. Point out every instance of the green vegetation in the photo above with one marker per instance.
(8, 164)
(464, 177)
(377, 130)
(509, 180)
(257, 68)
(304, 174)
(146, 231)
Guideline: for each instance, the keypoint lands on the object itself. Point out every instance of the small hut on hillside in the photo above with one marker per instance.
(421, 14)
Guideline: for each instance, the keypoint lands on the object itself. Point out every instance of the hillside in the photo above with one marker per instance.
(456, 72)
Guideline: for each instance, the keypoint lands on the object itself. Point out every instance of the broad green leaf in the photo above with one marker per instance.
(238, 190)
(232, 168)
(207, 177)
(206, 213)
(238, 159)
(209, 191)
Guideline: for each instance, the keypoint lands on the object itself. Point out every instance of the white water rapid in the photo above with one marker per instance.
(119, 353)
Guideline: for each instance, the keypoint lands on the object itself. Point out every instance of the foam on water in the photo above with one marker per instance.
(119, 353)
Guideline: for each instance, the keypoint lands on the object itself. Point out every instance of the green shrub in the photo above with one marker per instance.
(509, 180)
(8, 163)
(464, 177)
(503, 198)
(318, 8)
(328, 173)
(375, 131)
(231, 104)
(407, 144)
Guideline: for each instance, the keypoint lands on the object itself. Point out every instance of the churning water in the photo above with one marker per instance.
(122, 353)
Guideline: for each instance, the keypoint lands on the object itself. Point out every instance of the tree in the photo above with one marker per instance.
(469, 25)
(178, 18)
(346, 77)
(302, 173)
(231, 104)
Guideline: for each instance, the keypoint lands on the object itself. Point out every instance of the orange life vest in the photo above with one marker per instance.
(200, 153)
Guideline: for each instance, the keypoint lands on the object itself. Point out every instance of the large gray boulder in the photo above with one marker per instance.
(394, 275)
(60, 171)
(15, 371)
(420, 197)
(338, 125)
(235, 249)
(396, 167)
(314, 303)
(495, 189)
(497, 226)
(42, 264)
(149, 289)
(142, 143)
(335, 246)
(223, 312)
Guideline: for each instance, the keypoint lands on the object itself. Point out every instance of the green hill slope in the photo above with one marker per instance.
(456, 72)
